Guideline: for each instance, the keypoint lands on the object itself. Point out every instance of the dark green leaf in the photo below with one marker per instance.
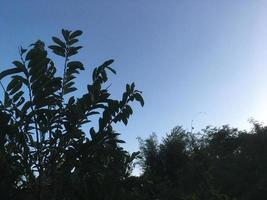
(19, 65)
(65, 34)
(59, 42)
(12, 84)
(75, 65)
(9, 72)
(25, 107)
(21, 79)
(108, 62)
(139, 98)
(73, 41)
(75, 34)
(124, 120)
(73, 50)
(21, 101)
(7, 100)
(111, 69)
(58, 50)
(17, 96)
(69, 90)
(120, 141)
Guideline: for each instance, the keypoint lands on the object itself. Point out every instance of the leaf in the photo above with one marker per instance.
(111, 69)
(19, 65)
(25, 107)
(73, 41)
(57, 50)
(59, 42)
(92, 133)
(12, 84)
(21, 101)
(71, 101)
(93, 113)
(129, 109)
(120, 141)
(29, 55)
(128, 88)
(21, 79)
(69, 76)
(9, 72)
(69, 84)
(139, 98)
(94, 75)
(108, 62)
(132, 87)
(65, 34)
(134, 154)
(7, 100)
(124, 120)
(17, 96)
(76, 34)
(75, 65)
(69, 90)
(73, 50)
(70, 72)
(104, 76)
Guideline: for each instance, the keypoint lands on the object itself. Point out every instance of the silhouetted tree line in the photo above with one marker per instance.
(56, 146)
(222, 163)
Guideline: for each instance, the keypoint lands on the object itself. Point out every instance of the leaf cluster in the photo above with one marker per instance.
(46, 151)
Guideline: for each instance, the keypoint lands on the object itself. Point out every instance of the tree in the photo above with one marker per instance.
(45, 150)
(224, 164)
(149, 158)
(164, 165)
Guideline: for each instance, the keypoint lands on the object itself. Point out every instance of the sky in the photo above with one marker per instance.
(204, 61)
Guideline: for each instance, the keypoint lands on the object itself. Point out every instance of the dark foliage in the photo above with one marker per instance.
(45, 150)
(222, 164)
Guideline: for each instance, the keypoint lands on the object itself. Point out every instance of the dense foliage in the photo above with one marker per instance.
(224, 163)
(46, 152)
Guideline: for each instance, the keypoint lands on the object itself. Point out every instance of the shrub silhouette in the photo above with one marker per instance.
(45, 150)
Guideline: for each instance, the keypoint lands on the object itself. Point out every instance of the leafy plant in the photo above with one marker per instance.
(45, 150)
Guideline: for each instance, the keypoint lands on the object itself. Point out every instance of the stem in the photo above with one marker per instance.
(63, 84)
(39, 164)
(64, 73)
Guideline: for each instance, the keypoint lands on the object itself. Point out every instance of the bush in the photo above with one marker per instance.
(45, 150)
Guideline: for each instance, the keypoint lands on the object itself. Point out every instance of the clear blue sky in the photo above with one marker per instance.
(186, 56)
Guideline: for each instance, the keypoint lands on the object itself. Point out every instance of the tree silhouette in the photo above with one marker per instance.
(45, 150)
(224, 164)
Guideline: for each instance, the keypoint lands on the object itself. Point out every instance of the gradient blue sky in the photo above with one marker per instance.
(186, 56)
